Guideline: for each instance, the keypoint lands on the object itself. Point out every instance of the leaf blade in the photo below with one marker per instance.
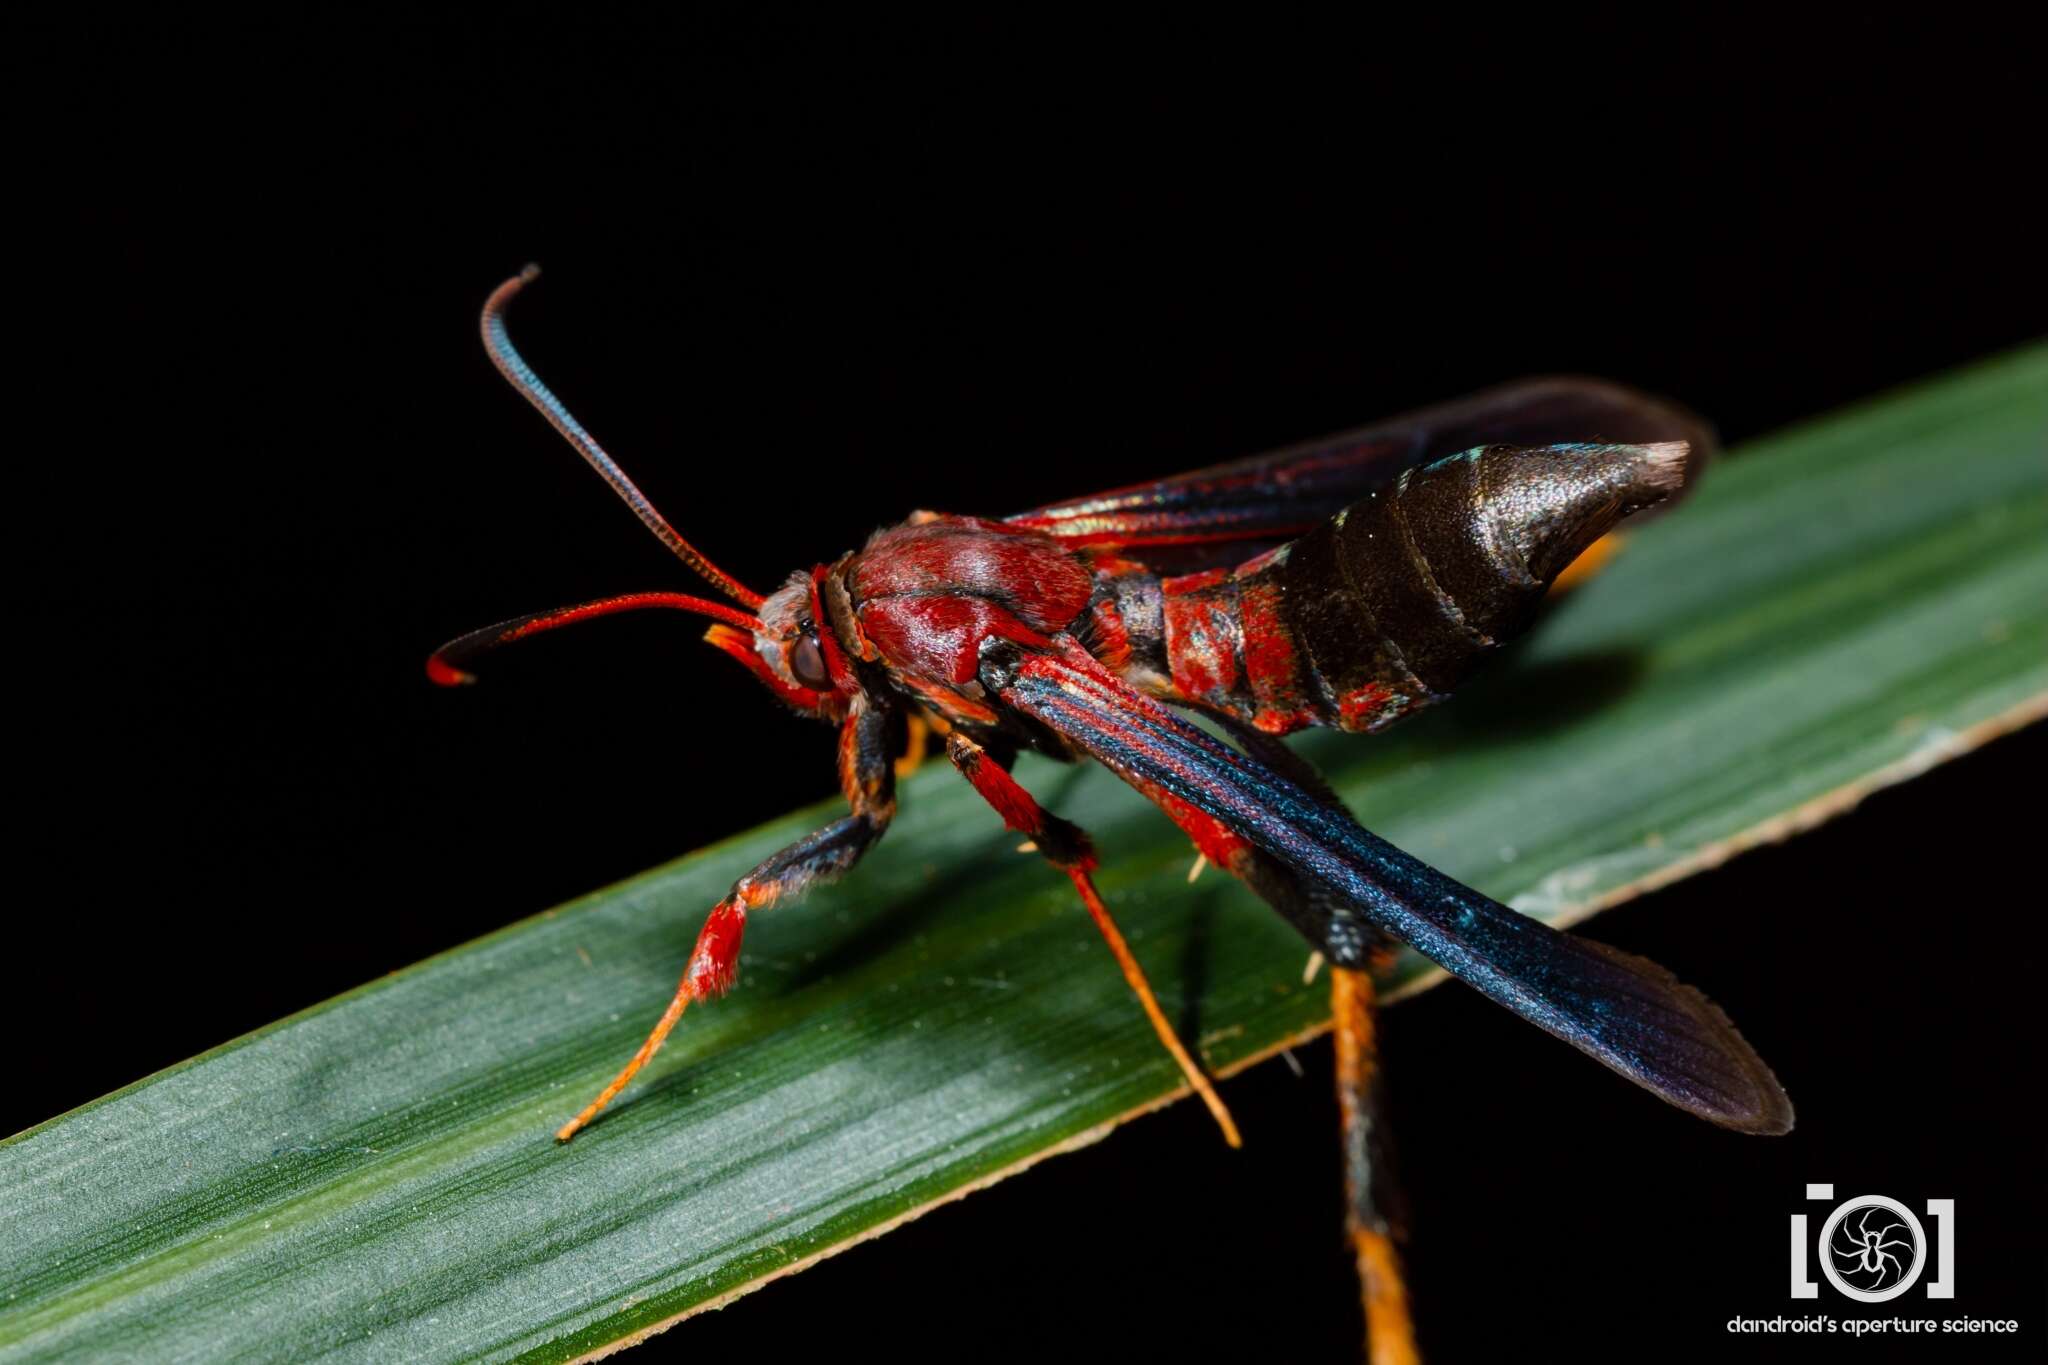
(1852, 602)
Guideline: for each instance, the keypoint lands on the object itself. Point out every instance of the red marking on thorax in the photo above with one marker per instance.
(927, 596)
(940, 637)
(1036, 579)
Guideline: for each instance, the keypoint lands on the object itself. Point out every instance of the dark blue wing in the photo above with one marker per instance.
(1627, 1012)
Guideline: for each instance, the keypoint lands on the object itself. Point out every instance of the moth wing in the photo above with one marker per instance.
(1628, 1013)
(1273, 497)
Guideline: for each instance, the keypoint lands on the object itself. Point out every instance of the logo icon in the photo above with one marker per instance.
(1873, 1248)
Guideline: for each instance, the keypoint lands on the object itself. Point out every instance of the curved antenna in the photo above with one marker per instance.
(445, 665)
(521, 377)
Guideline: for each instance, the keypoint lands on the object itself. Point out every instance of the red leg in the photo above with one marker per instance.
(1067, 848)
(869, 781)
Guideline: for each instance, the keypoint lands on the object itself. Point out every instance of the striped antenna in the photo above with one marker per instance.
(521, 376)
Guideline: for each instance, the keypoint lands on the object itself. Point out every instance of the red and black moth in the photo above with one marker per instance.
(1342, 583)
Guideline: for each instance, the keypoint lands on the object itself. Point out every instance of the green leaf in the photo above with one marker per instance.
(1839, 608)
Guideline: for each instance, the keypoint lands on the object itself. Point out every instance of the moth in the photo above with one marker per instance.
(1344, 583)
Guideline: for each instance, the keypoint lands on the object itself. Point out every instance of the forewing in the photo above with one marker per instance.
(1279, 495)
(1628, 1013)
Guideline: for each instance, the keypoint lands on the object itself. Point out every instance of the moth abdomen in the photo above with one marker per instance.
(1390, 604)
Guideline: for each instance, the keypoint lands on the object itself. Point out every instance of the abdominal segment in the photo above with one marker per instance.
(1388, 605)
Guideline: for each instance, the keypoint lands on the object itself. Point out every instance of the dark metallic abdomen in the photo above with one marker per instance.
(1388, 605)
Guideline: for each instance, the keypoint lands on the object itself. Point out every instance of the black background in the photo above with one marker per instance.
(803, 278)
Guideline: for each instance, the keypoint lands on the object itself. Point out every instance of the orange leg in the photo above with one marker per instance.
(1067, 848)
(1135, 975)
(869, 781)
(1590, 562)
(1368, 1180)
(714, 959)
(919, 737)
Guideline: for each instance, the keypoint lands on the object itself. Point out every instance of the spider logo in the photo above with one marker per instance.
(1872, 1248)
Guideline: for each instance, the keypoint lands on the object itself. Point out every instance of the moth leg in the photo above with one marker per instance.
(1372, 1215)
(1066, 847)
(1373, 1211)
(868, 777)
(917, 738)
(1590, 562)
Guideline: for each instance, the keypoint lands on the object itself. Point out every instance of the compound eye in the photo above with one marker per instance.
(807, 661)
